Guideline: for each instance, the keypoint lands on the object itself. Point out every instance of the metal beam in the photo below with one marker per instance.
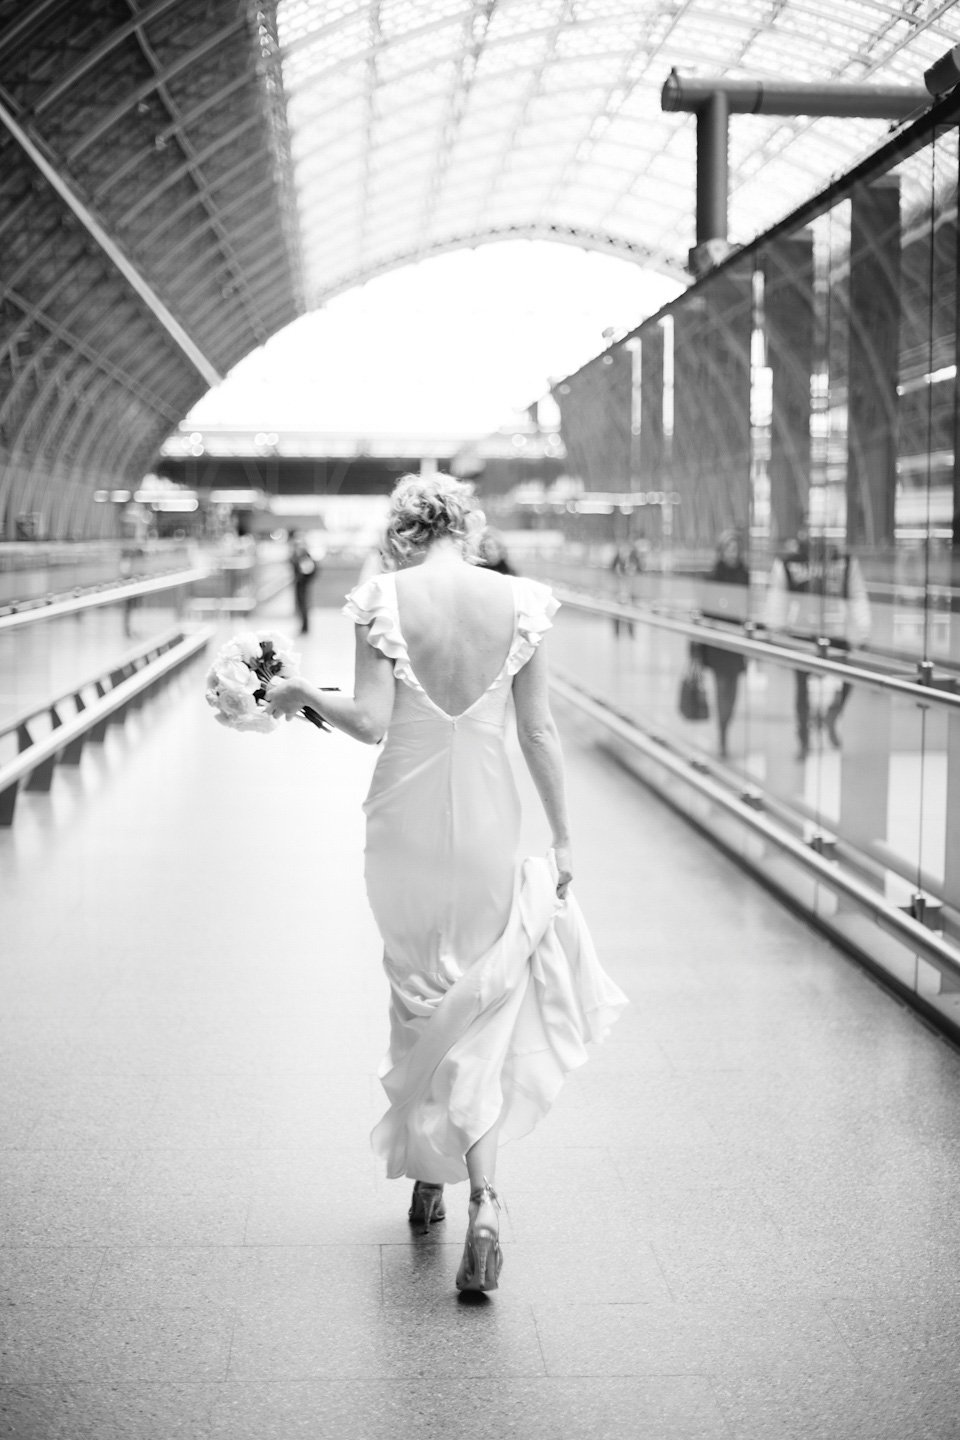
(712, 167)
(112, 251)
(779, 97)
(142, 91)
(714, 100)
(93, 57)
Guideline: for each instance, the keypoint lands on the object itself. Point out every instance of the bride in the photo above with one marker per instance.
(495, 984)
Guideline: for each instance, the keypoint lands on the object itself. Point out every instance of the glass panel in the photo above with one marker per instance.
(849, 546)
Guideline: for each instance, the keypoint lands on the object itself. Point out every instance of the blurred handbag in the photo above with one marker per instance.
(693, 695)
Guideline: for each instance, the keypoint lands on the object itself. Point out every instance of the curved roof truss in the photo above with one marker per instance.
(250, 158)
(413, 121)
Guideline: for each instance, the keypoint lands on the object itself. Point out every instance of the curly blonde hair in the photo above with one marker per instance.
(425, 508)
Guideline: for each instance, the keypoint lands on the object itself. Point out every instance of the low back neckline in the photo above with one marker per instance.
(408, 670)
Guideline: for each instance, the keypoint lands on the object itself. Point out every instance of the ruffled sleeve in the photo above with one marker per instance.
(536, 608)
(373, 604)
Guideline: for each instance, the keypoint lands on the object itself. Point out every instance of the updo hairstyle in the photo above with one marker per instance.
(425, 508)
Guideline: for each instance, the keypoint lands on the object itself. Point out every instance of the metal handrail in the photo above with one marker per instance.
(36, 762)
(922, 693)
(98, 679)
(921, 940)
(111, 596)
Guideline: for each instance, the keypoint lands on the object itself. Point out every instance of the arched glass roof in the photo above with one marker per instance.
(419, 126)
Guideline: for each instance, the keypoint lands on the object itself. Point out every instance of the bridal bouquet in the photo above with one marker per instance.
(240, 677)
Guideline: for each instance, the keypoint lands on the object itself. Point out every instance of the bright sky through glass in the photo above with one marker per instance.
(454, 345)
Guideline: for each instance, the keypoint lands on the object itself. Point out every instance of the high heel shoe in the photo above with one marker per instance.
(426, 1205)
(482, 1258)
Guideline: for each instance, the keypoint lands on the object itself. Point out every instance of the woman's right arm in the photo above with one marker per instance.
(540, 744)
(365, 714)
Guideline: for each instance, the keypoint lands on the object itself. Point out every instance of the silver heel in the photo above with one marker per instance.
(426, 1205)
(482, 1257)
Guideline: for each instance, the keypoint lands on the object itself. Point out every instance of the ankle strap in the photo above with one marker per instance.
(485, 1192)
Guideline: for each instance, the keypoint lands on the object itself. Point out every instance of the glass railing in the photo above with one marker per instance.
(848, 757)
(785, 501)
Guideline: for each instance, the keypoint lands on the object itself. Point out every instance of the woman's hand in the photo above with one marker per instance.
(564, 858)
(285, 697)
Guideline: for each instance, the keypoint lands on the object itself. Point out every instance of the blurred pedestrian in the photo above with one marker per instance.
(492, 553)
(818, 589)
(304, 569)
(727, 665)
(131, 558)
(626, 563)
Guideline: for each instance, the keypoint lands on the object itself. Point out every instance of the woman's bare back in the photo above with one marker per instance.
(458, 623)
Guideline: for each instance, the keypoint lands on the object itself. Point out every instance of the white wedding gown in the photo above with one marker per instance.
(495, 983)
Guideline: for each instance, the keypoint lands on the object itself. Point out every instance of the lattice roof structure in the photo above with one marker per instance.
(419, 126)
(181, 178)
(166, 121)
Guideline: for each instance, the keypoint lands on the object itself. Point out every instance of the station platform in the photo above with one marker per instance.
(738, 1221)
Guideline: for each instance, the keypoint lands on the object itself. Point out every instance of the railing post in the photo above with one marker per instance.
(71, 755)
(42, 777)
(8, 801)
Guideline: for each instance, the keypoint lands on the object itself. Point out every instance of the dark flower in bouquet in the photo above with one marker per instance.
(239, 680)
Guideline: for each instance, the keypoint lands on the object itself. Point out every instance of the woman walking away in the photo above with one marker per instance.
(727, 665)
(494, 982)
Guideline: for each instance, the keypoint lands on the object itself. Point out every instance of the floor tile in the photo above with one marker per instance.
(738, 1220)
(471, 1408)
(39, 1344)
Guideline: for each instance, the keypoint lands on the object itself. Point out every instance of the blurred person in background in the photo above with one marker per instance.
(304, 569)
(817, 589)
(131, 560)
(492, 553)
(727, 665)
(626, 563)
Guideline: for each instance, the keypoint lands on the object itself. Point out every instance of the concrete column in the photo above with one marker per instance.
(653, 457)
(595, 406)
(711, 448)
(788, 323)
(874, 346)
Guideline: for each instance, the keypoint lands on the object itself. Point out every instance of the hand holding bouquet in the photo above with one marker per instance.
(239, 680)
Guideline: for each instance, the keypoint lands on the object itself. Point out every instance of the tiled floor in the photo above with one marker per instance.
(739, 1220)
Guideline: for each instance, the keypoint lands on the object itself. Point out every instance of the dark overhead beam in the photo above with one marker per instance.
(60, 331)
(215, 220)
(99, 52)
(111, 249)
(31, 17)
(190, 117)
(107, 122)
(185, 167)
(146, 242)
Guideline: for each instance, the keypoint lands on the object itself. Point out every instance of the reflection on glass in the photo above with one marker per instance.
(813, 404)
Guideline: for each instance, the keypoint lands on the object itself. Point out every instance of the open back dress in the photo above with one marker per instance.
(494, 982)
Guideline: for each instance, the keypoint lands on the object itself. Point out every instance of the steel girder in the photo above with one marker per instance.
(165, 121)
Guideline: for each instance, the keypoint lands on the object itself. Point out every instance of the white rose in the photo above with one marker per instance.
(248, 644)
(259, 724)
(235, 675)
(236, 704)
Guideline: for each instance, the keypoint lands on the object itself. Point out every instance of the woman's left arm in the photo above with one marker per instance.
(364, 715)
